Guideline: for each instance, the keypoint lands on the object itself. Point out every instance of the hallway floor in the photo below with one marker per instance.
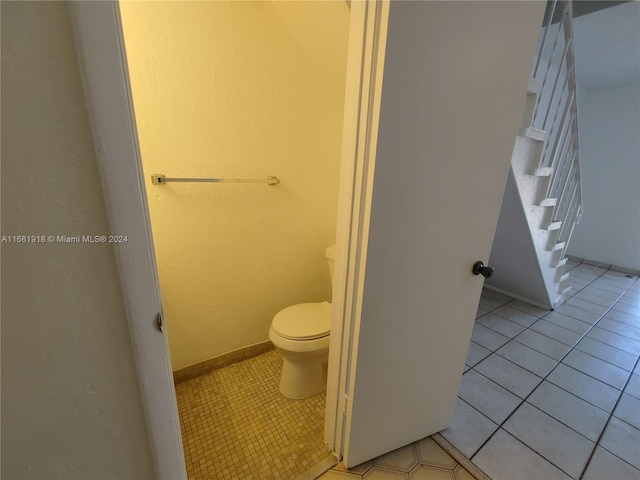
(555, 395)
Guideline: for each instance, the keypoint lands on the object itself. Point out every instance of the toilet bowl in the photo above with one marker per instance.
(301, 333)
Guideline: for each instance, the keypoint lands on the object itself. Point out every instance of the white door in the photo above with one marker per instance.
(98, 32)
(453, 90)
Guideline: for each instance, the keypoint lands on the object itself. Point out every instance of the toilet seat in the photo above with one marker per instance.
(305, 321)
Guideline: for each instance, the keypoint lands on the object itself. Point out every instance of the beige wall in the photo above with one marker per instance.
(71, 406)
(238, 89)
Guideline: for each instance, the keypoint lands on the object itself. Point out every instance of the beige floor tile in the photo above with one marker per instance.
(379, 473)
(401, 459)
(462, 474)
(236, 424)
(433, 463)
(431, 473)
(362, 468)
(430, 453)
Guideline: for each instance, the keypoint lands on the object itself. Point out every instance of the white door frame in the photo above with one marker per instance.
(99, 42)
(100, 45)
(363, 92)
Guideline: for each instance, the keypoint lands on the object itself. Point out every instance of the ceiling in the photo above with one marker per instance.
(607, 46)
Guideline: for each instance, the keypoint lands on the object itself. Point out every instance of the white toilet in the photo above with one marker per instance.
(301, 333)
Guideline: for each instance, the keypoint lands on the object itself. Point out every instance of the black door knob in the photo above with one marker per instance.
(480, 269)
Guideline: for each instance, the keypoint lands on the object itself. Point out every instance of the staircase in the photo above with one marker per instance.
(543, 200)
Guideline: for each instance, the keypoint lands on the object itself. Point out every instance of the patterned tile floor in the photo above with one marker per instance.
(236, 425)
(422, 460)
(555, 395)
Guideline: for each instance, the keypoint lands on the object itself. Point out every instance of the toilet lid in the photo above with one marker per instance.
(304, 321)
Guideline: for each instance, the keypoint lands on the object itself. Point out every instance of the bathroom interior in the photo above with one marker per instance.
(230, 89)
(246, 90)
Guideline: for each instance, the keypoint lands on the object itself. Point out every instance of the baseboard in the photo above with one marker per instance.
(517, 297)
(197, 369)
(617, 268)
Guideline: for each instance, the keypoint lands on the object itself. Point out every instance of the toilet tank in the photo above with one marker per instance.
(330, 253)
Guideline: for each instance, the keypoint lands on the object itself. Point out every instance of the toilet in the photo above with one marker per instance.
(301, 333)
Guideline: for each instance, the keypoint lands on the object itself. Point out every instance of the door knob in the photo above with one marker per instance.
(480, 269)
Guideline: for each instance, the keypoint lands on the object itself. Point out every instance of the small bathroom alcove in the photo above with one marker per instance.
(230, 89)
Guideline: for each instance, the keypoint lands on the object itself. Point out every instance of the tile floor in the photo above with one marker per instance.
(224, 438)
(423, 460)
(236, 425)
(555, 395)
(548, 395)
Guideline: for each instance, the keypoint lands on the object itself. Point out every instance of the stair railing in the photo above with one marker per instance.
(556, 113)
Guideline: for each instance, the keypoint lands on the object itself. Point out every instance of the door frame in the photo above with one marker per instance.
(104, 69)
(363, 93)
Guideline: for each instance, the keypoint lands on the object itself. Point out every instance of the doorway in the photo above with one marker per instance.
(350, 416)
(238, 90)
(99, 37)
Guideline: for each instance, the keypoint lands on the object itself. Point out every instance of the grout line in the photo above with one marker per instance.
(606, 424)
(588, 375)
(632, 327)
(210, 430)
(524, 445)
(459, 457)
(500, 426)
(525, 368)
(606, 345)
(562, 423)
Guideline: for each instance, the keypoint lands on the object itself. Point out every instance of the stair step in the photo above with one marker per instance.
(549, 202)
(562, 262)
(554, 226)
(567, 289)
(564, 277)
(535, 134)
(558, 246)
(534, 86)
(543, 172)
(533, 91)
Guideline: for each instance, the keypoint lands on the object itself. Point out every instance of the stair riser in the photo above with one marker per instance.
(542, 188)
(527, 119)
(552, 241)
